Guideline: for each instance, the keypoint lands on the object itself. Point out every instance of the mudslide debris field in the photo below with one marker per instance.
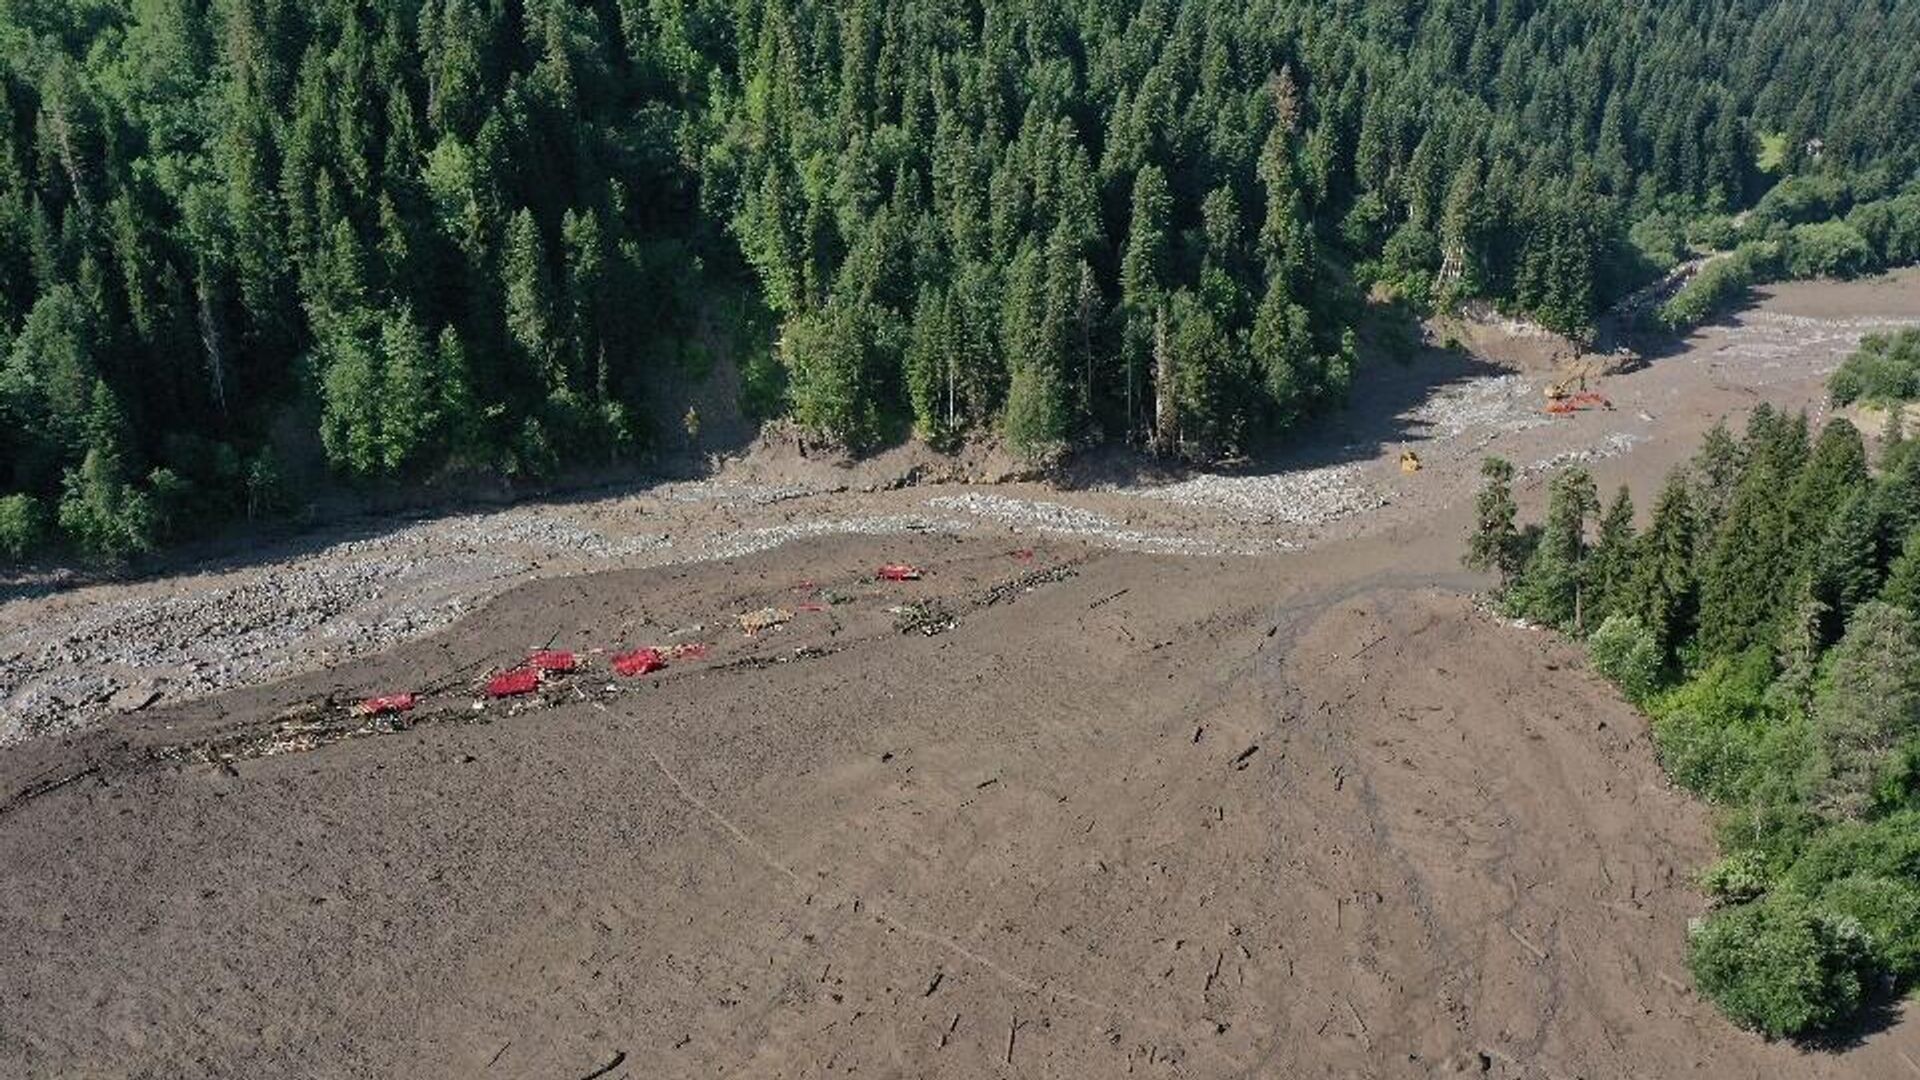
(1222, 776)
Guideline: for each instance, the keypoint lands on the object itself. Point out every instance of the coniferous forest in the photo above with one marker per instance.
(1767, 617)
(245, 241)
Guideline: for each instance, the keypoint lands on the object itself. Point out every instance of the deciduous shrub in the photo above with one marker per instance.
(1827, 249)
(1626, 652)
(1736, 878)
(23, 526)
(105, 515)
(1709, 731)
(1886, 367)
(1781, 966)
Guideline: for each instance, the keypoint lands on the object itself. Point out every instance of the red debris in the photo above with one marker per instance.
(1580, 402)
(899, 572)
(553, 660)
(811, 606)
(692, 650)
(639, 662)
(1022, 555)
(511, 683)
(385, 705)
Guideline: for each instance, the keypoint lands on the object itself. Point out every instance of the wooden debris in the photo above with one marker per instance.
(619, 1059)
(1538, 952)
(766, 618)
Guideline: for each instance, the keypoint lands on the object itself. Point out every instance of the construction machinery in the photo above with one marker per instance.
(1571, 389)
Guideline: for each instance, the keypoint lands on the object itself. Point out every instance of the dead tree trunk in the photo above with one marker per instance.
(1166, 406)
(210, 340)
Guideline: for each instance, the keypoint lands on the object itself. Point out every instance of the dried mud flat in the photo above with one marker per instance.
(1189, 782)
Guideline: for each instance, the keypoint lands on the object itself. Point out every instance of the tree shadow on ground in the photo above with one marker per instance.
(349, 517)
(1879, 1013)
(1377, 417)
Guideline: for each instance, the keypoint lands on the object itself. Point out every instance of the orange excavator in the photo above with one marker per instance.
(1569, 393)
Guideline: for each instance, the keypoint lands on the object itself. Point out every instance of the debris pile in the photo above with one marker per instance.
(753, 622)
(639, 662)
(1493, 404)
(927, 617)
(385, 705)
(553, 661)
(1307, 497)
(1063, 520)
(1612, 446)
(522, 680)
(699, 491)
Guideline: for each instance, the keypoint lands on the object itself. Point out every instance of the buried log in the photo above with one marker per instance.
(619, 1059)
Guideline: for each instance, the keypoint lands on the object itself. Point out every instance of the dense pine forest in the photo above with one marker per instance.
(247, 245)
(1768, 618)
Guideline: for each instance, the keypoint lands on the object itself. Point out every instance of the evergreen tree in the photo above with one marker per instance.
(586, 296)
(1205, 367)
(1897, 498)
(835, 365)
(1663, 591)
(1809, 741)
(47, 385)
(1281, 344)
(410, 417)
(351, 407)
(1870, 703)
(1717, 467)
(1554, 586)
(228, 203)
(1903, 577)
(1495, 543)
(1143, 292)
(527, 287)
(1743, 576)
(1844, 569)
(464, 428)
(1615, 555)
(1834, 474)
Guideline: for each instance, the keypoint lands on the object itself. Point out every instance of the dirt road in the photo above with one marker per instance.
(1145, 804)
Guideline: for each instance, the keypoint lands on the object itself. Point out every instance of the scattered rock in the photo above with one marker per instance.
(130, 699)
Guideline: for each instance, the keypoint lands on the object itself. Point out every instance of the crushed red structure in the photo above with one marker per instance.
(1021, 555)
(553, 660)
(899, 572)
(639, 662)
(511, 683)
(1574, 403)
(385, 705)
